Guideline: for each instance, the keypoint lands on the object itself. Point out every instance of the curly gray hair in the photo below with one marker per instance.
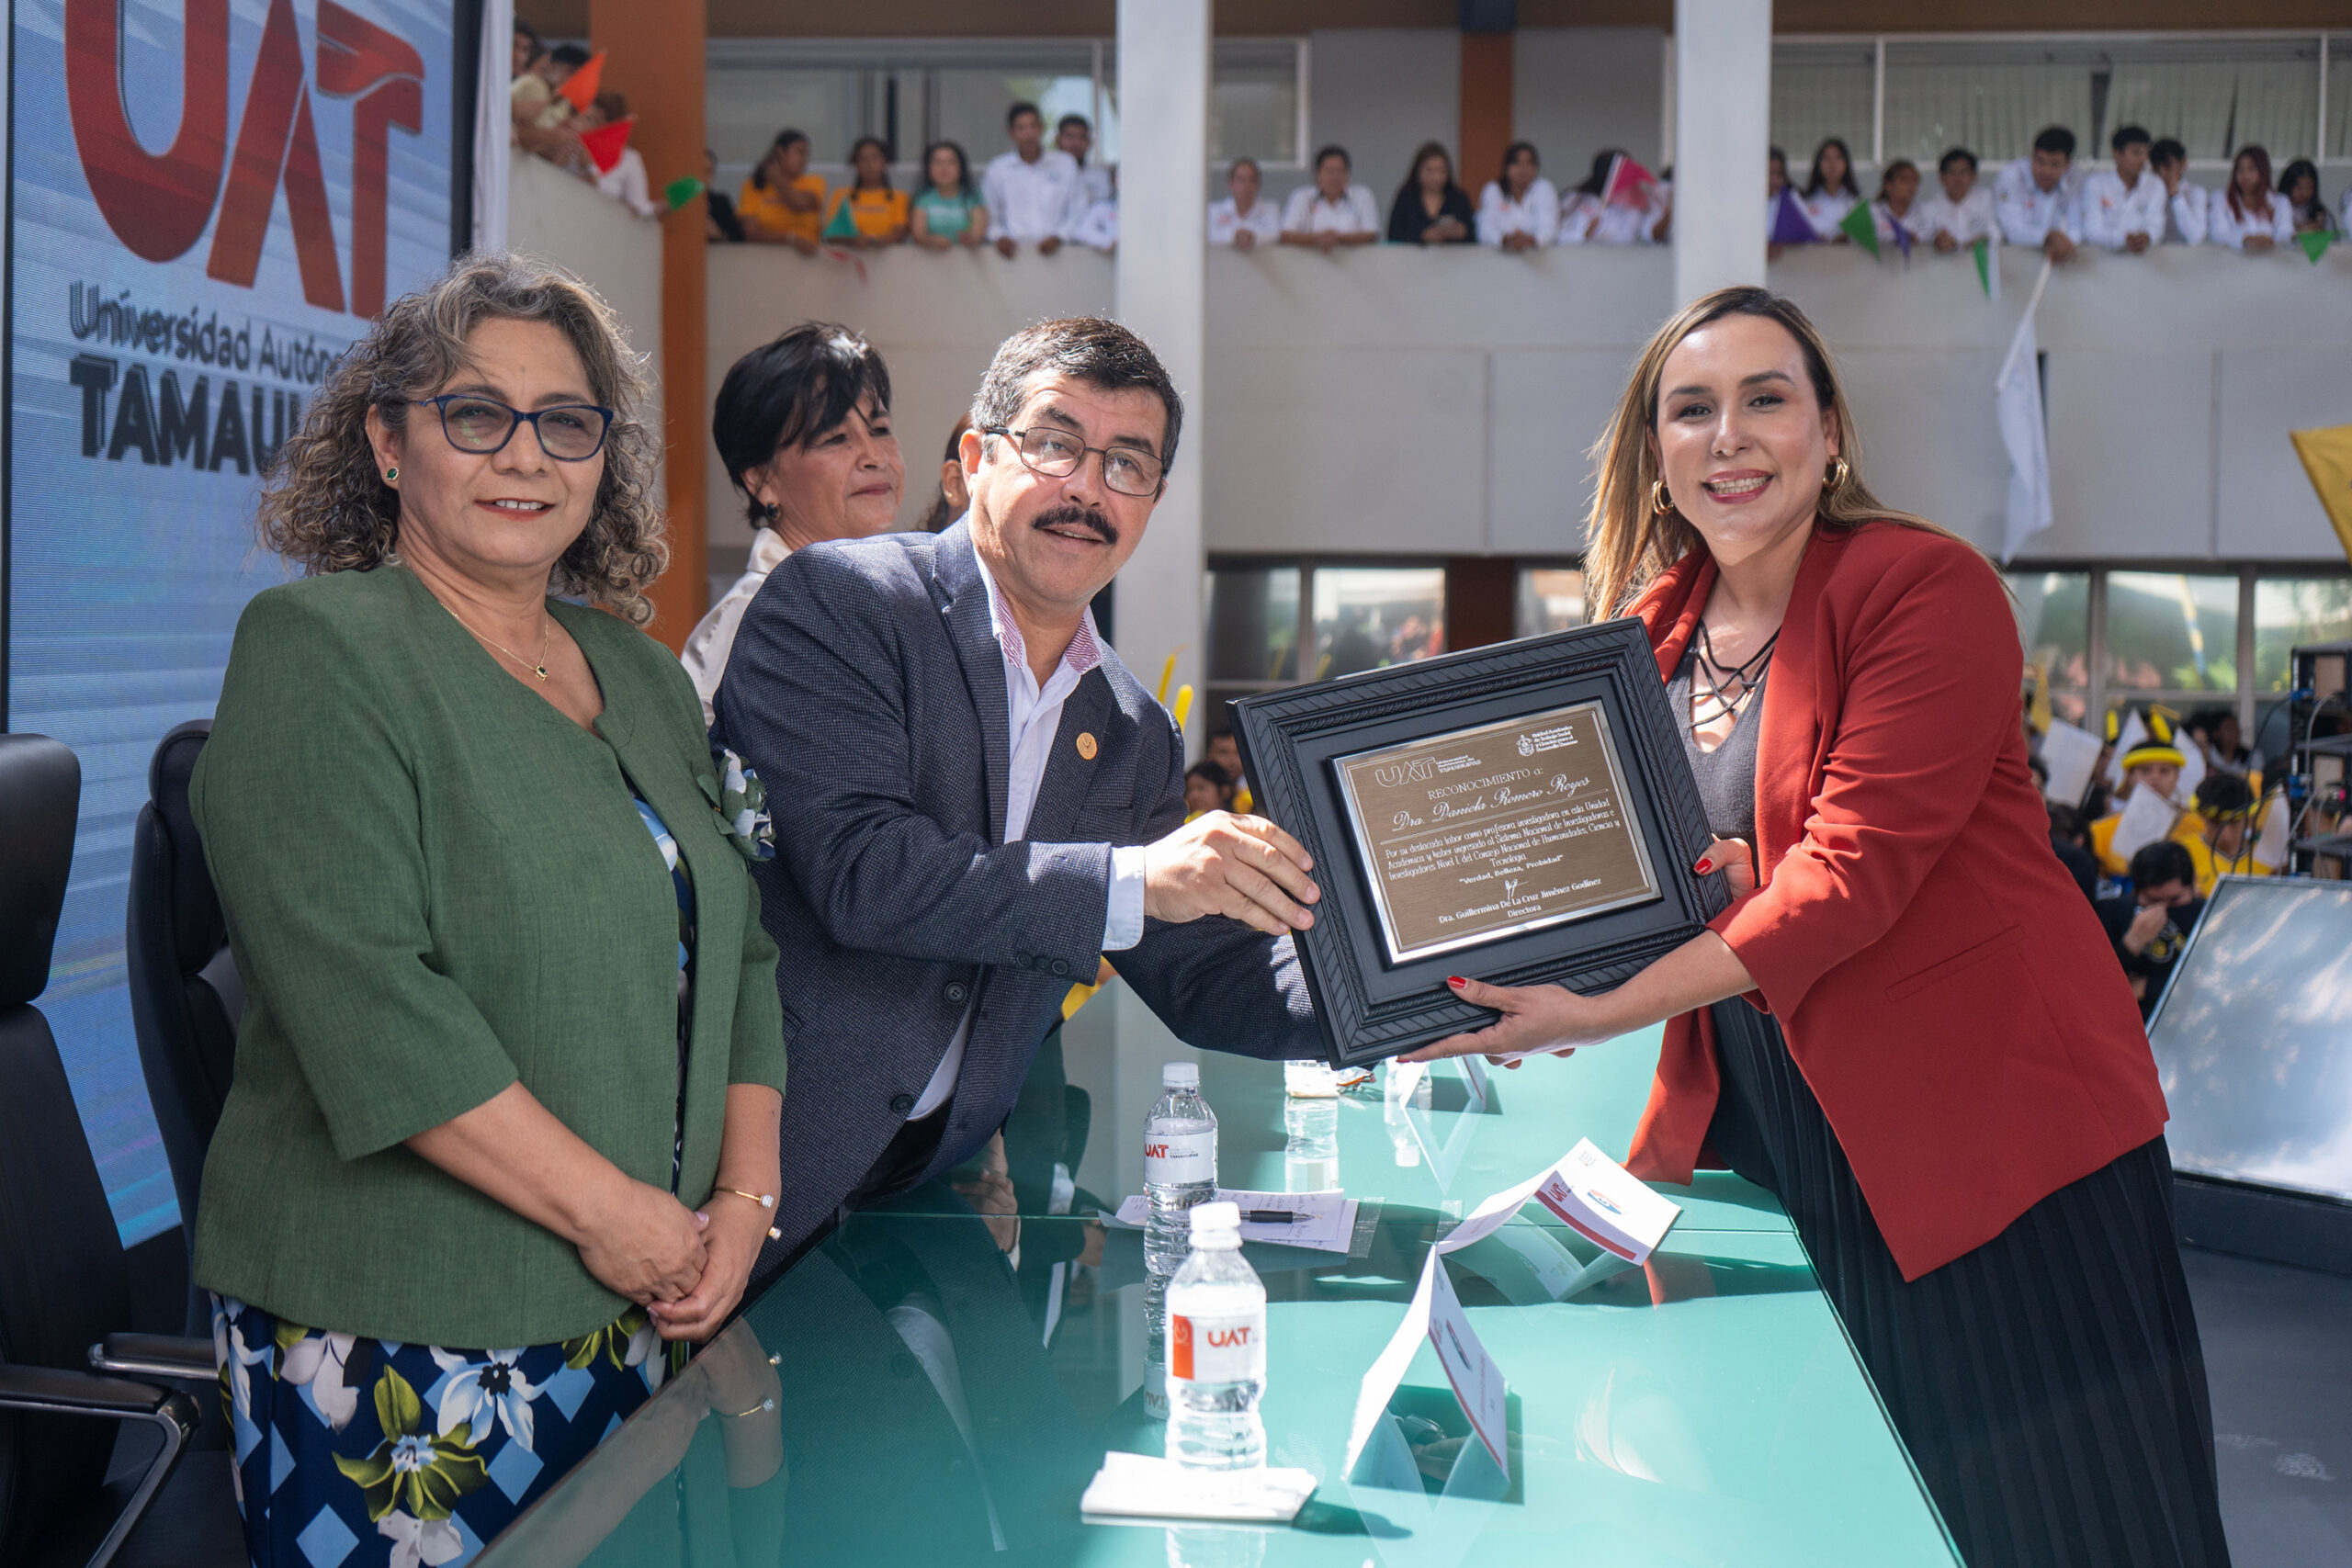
(325, 506)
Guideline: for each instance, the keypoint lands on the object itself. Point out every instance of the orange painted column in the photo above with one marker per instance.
(655, 60)
(1485, 107)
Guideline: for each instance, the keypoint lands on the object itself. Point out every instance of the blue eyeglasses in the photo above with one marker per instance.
(570, 433)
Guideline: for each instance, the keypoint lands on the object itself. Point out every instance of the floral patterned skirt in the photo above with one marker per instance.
(369, 1453)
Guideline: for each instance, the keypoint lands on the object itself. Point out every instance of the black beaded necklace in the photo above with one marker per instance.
(1719, 676)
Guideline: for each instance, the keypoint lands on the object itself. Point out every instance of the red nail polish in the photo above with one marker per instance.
(1455, 980)
(1703, 867)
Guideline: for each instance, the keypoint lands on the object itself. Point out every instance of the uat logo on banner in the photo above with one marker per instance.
(159, 203)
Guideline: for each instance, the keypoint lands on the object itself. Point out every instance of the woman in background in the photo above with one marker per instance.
(1829, 191)
(1897, 205)
(2250, 217)
(877, 214)
(1430, 208)
(1907, 1024)
(2299, 185)
(1588, 218)
(947, 211)
(1519, 210)
(502, 1136)
(954, 496)
(803, 424)
(781, 202)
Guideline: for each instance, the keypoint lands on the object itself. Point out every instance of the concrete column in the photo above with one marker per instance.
(657, 62)
(1161, 275)
(1723, 118)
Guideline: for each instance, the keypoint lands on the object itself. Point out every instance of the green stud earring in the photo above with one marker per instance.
(391, 474)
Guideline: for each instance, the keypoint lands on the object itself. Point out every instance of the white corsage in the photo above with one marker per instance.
(743, 807)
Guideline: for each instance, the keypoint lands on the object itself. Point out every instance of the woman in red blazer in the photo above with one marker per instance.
(1908, 1025)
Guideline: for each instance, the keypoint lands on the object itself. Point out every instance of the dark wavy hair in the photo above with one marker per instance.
(1093, 349)
(325, 506)
(790, 391)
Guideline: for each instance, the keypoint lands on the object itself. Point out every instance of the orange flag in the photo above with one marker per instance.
(580, 88)
(604, 142)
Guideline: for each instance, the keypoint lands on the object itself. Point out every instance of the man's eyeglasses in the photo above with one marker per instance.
(1057, 454)
(571, 432)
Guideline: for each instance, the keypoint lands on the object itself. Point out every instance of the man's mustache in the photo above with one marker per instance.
(1070, 515)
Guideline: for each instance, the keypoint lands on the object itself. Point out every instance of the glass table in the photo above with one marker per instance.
(930, 1387)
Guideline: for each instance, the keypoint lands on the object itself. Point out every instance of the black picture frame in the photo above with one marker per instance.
(1370, 1008)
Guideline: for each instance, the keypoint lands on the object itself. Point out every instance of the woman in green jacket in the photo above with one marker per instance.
(501, 1141)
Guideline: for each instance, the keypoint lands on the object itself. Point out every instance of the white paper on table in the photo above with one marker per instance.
(1141, 1486)
(2270, 845)
(2071, 753)
(1477, 1383)
(1607, 1204)
(1327, 1220)
(2147, 819)
(2134, 730)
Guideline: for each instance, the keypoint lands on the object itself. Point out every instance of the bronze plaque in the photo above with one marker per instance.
(1484, 833)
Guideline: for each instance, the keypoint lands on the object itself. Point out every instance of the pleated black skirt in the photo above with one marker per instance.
(2049, 1384)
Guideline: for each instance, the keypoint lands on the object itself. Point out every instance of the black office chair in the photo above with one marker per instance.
(185, 995)
(63, 1282)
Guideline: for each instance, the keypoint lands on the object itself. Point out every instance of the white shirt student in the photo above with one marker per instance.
(624, 181)
(1533, 214)
(1032, 189)
(1586, 220)
(1959, 212)
(2123, 208)
(1243, 219)
(2034, 199)
(1332, 205)
(2249, 216)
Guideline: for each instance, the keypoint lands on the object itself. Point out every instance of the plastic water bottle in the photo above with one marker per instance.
(1179, 1165)
(1217, 1350)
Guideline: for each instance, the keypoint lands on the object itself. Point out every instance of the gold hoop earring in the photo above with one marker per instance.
(1839, 472)
(1660, 502)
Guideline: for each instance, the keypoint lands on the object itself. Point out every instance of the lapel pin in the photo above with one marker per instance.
(1086, 747)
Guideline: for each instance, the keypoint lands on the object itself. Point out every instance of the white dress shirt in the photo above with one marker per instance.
(2232, 229)
(1967, 220)
(1099, 227)
(2188, 218)
(2028, 212)
(1030, 202)
(713, 638)
(624, 183)
(1584, 219)
(1035, 714)
(2113, 211)
(1884, 220)
(1308, 213)
(1828, 208)
(1093, 186)
(1226, 220)
(1536, 213)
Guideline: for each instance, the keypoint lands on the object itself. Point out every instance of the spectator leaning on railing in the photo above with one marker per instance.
(1589, 218)
(2186, 207)
(2299, 183)
(1333, 211)
(1242, 219)
(1030, 188)
(877, 214)
(781, 202)
(2034, 196)
(1896, 207)
(1519, 209)
(2250, 217)
(2123, 208)
(1829, 191)
(720, 225)
(1430, 208)
(1961, 212)
(1074, 136)
(947, 211)
(624, 181)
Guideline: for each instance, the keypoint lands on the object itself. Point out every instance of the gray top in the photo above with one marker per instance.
(1726, 775)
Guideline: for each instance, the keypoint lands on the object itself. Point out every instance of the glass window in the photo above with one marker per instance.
(1551, 599)
(1253, 101)
(2339, 96)
(970, 102)
(1253, 623)
(2054, 625)
(1989, 98)
(2170, 632)
(747, 106)
(2290, 612)
(1367, 616)
(1820, 90)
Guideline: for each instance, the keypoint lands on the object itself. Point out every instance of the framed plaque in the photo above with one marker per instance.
(1522, 814)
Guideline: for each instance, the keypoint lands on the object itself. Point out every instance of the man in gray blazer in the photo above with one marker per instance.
(975, 801)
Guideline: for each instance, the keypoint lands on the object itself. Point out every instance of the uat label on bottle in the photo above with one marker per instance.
(1217, 1350)
(1175, 1157)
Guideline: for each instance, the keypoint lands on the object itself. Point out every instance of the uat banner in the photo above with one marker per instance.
(209, 201)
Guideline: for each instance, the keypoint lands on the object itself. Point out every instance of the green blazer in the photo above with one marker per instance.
(435, 885)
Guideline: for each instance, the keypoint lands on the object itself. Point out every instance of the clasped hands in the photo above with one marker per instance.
(687, 1267)
(1552, 1018)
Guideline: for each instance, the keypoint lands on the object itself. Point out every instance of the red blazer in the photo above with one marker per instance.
(1942, 982)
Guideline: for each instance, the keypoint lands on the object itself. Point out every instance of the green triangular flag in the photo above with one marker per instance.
(679, 192)
(1861, 227)
(1988, 268)
(2315, 243)
(841, 226)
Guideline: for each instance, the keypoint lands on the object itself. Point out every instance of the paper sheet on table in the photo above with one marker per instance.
(1326, 1221)
(2071, 753)
(2270, 845)
(2147, 818)
(1141, 1486)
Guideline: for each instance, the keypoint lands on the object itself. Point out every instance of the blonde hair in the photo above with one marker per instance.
(1631, 542)
(325, 507)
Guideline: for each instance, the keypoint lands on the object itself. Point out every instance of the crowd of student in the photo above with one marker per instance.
(560, 125)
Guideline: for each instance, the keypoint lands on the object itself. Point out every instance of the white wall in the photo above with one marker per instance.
(1394, 401)
(611, 249)
(1575, 90)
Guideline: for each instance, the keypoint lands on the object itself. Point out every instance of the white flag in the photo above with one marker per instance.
(2017, 403)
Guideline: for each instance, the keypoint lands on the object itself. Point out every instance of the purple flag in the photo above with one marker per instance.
(1790, 225)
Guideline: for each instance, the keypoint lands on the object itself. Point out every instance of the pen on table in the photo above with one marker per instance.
(1269, 1216)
